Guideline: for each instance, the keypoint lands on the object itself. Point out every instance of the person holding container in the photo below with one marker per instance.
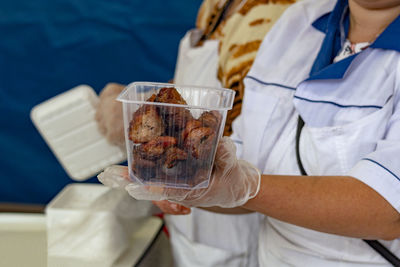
(218, 53)
(318, 139)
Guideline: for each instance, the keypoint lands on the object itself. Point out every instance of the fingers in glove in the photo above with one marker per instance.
(225, 156)
(115, 176)
(145, 192)
(172, 208)
(159, 193)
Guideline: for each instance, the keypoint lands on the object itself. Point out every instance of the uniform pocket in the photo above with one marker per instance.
(336, 149)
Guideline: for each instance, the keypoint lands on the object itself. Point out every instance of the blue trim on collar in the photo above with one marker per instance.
(333, 71)
(321, 24)
(390, 37)
(329, 23)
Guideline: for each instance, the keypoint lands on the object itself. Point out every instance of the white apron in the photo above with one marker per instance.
(204, 238)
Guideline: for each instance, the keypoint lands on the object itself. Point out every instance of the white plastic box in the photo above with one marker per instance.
(91, 225)
(171, 136)
(67, 124)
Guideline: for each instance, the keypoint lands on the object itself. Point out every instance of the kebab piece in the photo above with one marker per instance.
(175, 118)
(170, 95)
(211, 119)
(175, 163)
(156, 147)
(190, 125)
(146, 123)
(142, 167)
(173, 155)
(199, 142)
(147, 156)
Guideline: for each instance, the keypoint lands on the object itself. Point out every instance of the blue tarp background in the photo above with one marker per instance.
(49, 46)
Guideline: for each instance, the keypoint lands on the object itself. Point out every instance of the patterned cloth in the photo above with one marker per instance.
(240, 35)
(350, 49)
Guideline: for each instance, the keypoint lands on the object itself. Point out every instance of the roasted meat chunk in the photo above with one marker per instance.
(142, 167)
(211, 119)
(146, 124)
(147, 157)
(170, 95)
(141, 162)
(175, 118)
(199, 142)
(190, 125)
(175, 163)
(156, 147)
(173, 155)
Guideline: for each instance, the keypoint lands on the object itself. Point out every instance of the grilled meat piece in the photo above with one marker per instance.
(211, 119)
(190, 125)
(147, 157)
(141, 162)
(174, 117)
(173, 155)
(141, 167)
(146, 123)
(199, 142)
(170, 95)
(175, 165)
(156, 147)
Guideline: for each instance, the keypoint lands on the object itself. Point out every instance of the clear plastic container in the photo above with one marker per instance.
(172, 132)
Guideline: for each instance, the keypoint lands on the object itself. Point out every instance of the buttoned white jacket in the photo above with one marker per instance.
(352, 123)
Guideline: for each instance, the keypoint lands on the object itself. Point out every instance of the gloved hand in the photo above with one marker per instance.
(172, 208)
(109, 114)
(233, 182)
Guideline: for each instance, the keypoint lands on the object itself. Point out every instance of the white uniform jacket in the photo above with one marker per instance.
(351, 111)
(204, 238)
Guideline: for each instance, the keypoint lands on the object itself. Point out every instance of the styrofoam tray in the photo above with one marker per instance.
(23, 240)
(67, 124)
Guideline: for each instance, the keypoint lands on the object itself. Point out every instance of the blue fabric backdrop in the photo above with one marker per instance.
(49, 46)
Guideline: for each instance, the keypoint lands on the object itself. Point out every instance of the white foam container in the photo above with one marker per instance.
(67, 124)
(88, 224)
(91, 225)
(23, 241)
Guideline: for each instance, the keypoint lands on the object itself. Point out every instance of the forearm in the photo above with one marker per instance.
(332, 204)
(233, 211)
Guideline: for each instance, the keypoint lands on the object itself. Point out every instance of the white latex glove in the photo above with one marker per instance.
(109, 114)
(233, 182)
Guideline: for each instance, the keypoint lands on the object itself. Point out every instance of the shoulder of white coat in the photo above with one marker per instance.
(307, 10)
(313, 9)
(299, 17)
(292, 40)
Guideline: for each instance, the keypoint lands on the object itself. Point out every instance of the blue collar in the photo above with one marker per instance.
(330, 24)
